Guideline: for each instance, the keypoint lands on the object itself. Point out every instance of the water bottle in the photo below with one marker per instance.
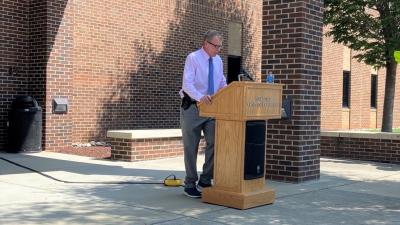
(270, 78)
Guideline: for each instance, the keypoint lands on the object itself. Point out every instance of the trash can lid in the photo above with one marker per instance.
(25, 102)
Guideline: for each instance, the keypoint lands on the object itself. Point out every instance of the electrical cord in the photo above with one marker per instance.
(170, 180)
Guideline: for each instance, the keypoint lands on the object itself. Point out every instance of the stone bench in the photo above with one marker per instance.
(146, 144)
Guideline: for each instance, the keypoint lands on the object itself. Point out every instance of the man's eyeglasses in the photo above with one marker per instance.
(215, 46)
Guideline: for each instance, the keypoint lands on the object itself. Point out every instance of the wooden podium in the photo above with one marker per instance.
(238, 183)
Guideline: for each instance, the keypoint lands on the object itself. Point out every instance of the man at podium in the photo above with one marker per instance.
(202, 77)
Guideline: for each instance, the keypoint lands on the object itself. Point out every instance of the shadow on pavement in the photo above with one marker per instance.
(347, 193)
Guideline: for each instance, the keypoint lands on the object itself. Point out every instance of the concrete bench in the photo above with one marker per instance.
(146, 144)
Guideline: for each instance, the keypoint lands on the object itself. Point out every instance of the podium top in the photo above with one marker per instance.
(245, 101)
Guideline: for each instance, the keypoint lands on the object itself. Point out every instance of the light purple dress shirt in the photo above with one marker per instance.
(195, 74)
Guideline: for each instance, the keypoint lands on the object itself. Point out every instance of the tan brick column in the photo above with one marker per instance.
(59, 72)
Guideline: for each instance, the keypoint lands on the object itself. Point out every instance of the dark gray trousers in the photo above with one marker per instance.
(192, 125)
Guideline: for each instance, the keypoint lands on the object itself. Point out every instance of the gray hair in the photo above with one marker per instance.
(210, 34)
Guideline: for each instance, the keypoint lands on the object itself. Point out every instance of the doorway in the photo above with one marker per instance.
(234, 66)
(234, 50)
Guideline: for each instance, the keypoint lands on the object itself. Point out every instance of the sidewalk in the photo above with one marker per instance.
(349, 192)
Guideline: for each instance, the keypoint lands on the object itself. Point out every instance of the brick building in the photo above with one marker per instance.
(352, 92)
(119, 63)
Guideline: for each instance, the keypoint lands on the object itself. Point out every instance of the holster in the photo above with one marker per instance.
(187, 101)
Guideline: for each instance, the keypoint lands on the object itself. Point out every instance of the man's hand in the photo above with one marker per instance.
(206, 99)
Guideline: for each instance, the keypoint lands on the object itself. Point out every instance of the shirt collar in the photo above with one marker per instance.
(204, 54)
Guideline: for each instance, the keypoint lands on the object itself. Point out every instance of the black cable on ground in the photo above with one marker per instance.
(168, 181)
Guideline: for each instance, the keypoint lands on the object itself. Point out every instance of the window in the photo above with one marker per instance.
(346, 89)
(374, 88)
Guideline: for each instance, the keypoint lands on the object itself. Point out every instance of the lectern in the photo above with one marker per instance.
(241, 110)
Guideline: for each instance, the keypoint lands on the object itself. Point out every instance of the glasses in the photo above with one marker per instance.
(215, 46)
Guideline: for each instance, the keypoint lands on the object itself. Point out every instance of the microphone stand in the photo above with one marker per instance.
(244, 74)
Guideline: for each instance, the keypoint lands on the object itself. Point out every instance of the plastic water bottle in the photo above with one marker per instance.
(270, 78)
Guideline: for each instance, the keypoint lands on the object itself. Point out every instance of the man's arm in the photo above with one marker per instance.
(189, 74)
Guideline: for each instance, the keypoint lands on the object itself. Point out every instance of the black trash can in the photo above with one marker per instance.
(25, 125)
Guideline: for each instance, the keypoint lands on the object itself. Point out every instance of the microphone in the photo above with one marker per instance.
(244, 72)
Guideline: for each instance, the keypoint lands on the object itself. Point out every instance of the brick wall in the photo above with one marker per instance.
(59, 72)
(28, 36)
(378, 149)
(127, 72)
(360, 98)
(119, 63)
(38, 56)
(14, 51)
(381, 96)
(147, 149)
(292, 50)
(38, 53)
(332, 78)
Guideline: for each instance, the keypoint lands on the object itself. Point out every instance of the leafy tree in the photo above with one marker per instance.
(372, 28)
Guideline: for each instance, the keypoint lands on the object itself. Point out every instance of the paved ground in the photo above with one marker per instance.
(349, 192)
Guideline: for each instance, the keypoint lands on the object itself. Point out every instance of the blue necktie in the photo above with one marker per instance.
(210, 90)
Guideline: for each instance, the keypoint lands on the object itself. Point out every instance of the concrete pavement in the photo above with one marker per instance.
(349, 192)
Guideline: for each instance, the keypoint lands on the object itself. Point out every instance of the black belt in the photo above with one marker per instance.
(187, 101)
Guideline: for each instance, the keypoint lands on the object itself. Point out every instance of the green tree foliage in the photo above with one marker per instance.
(372, 29)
